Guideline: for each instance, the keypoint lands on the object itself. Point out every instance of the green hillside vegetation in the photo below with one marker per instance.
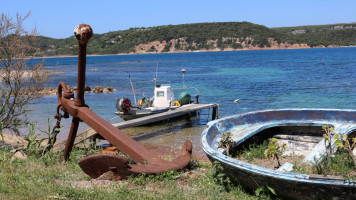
(324, 35)
(203, 36)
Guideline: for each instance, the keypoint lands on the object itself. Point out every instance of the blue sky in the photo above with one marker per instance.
(58, 19)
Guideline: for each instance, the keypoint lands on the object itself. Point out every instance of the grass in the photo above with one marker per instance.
(340, 164)
(253, 151)
(48, 177)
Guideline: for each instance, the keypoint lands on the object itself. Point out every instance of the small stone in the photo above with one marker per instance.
(98, 89)
(286, 167)
(87, 88)
(109, 175)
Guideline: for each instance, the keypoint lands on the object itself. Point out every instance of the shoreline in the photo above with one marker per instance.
(199, 51)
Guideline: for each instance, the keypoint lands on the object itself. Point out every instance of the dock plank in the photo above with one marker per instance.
(89, 133)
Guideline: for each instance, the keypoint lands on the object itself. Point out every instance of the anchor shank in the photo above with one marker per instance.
(79, 100)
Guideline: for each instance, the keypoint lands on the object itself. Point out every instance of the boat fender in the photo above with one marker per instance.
(176, 103)
(140, 102)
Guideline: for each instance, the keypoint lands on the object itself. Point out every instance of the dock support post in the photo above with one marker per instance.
(189, 116)
(214, 113)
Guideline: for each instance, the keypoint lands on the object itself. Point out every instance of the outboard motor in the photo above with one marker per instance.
(123, 104)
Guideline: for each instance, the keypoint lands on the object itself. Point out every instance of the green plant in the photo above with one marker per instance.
(342, 142)
(342, 165)
(33, 144)
(218, 175)
(323, 167)
(1, 133)
(327, 138)
(254, 151)
(194, 164)
(85, 145)
(274, 150)
(91, 146)
(226, 142)
(3, 156)
(166, 176)
(298, 168)
(264, 190)
(52, 137)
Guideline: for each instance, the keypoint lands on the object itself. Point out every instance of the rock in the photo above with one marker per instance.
(98, 89)
(109, 175)
(286, 167)
(87, 88)
(109, 90)
(48, 91)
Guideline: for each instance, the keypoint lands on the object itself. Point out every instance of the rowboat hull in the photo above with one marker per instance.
(285, 184)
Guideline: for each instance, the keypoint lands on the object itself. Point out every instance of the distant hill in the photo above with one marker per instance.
(322, 35)
(205, 37)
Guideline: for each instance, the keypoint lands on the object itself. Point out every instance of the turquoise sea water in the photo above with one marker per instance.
(267, 79)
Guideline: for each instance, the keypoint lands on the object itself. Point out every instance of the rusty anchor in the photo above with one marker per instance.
(95, 165)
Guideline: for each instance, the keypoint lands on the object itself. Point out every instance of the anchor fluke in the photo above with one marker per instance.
(98, 164)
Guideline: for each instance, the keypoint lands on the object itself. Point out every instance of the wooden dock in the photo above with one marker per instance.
(184, 110)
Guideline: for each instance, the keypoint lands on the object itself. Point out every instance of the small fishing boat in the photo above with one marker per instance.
(162, 101)
(297, 123)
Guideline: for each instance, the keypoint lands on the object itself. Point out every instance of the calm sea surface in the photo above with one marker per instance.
(268, 79)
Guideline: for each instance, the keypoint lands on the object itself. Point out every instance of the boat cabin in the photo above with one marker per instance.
(163, 96)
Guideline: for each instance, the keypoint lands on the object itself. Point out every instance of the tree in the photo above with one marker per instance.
(343, 142)
(226, 142)
(274, 150)
(20, 82)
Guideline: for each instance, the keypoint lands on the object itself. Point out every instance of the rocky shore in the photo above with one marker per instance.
(87, 89)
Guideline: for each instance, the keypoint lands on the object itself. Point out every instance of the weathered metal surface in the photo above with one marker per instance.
(96, 165)
(290, 185)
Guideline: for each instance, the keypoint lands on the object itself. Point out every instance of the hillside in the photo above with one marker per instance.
(322, 35)
(205, 37)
